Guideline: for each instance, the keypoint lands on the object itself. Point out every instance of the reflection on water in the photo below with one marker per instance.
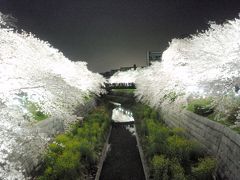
(131, 129)
(122, 115)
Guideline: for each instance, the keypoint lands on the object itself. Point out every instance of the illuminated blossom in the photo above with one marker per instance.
(33, 72)
(205, 64)
(128, 76)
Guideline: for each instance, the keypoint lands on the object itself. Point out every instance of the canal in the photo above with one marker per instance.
(123, 161)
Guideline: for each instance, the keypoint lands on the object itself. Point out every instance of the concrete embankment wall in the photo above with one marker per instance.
(217, 139)
(103, 155)
(31, 156)
(143, 159)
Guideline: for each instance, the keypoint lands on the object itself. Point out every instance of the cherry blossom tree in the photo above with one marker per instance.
(203, 65)
(34, 73)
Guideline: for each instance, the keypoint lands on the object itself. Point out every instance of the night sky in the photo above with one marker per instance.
(110, 34)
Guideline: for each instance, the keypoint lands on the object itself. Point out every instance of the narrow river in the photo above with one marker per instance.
(123, 161)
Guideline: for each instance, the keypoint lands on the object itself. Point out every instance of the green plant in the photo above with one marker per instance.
(165, 168)
(172, 96)
(154, 114)
(67, 164)
(74, 153)
(178, 131)
(160, 167)
(201, 106)
(55, 148)
(232, 114)
(62, 138)
(176, 170)
(87, 152)
(157, 135)
(128, 91)
(61, 163)
(32, 107)
(237, 129)
(39, 115)
(147, 112)
(180, 147)
(169, 152)
(88, 97)
(204, 169)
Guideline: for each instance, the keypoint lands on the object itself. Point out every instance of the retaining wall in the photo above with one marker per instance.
(143, 159)
(217, 139)
(103, 155)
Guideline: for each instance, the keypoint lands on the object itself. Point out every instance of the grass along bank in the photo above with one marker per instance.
(127, 91)
(169, 154)
(32, 110)
(228, 115)
(75, 154)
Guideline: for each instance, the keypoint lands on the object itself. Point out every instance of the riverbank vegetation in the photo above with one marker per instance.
(169, 153)
(74, 155)
(127, 91)
(32, 110)
(224, 110)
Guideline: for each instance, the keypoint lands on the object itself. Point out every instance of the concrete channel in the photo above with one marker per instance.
(121, 158)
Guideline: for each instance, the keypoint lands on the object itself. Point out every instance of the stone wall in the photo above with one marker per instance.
(217, 139)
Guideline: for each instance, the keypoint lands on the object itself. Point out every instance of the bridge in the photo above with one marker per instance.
(110, 86)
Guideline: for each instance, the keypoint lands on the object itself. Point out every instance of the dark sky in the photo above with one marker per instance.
(113, 33)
